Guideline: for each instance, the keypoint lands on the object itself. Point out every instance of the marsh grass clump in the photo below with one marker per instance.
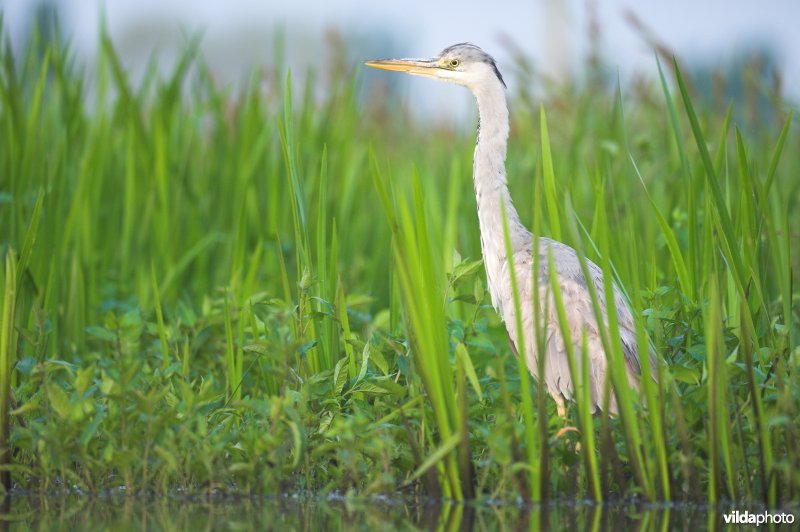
(259, 290)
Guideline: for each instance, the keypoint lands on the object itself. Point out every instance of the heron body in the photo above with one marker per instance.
(468, 65)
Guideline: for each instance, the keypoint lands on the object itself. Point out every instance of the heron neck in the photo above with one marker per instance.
(489, 176)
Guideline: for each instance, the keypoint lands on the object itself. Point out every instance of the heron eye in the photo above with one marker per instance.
(454, 63)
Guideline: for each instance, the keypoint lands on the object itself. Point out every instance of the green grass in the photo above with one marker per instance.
(263, 289)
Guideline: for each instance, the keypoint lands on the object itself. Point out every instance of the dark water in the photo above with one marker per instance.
(77, 513)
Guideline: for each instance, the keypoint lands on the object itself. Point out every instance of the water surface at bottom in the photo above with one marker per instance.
(312, 514)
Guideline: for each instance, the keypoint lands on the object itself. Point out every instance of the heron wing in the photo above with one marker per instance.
(571, 277)
(580, 317)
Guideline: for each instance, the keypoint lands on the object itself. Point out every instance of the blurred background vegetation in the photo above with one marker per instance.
(206, 297)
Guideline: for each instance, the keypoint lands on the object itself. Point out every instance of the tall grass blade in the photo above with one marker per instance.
(672, 242)
(29, 240)
(776, 154)
(580, 383)
(693, 255)
(162, 332)
(7, 351)
(608, 328)
(725, 223)
(533, 444)
(550, 193)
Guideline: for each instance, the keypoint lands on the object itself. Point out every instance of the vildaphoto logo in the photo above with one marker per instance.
(736, 517)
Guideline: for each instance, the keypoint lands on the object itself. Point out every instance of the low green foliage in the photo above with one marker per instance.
(271, 289)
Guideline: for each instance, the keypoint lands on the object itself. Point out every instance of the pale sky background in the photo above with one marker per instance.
(239, 33)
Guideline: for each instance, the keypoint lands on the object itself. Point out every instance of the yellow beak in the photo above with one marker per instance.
(422, 67)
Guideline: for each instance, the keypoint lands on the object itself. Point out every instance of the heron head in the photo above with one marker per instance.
(464, 64)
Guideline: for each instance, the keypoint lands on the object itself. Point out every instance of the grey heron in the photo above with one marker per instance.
(468, 65)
